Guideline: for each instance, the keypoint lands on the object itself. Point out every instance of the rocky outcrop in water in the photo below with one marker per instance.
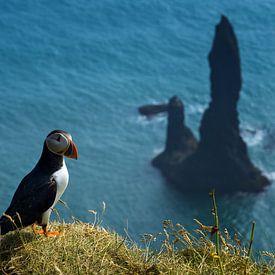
(180, 141)
(220, 160)
(152, 109)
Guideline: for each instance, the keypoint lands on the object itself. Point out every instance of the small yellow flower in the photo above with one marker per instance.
(214, 255)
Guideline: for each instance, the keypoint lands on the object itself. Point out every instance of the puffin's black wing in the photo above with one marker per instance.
(34, 195)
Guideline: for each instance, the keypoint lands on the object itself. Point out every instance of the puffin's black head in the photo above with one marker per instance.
(60, 142)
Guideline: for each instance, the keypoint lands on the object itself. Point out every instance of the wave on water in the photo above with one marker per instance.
(196, 108)
(157, 151)
(269, 141)
(252, 136)
(263, 136)
(270, 175)
(159, 118)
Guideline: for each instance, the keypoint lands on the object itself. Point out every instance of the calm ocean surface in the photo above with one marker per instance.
(85, 67)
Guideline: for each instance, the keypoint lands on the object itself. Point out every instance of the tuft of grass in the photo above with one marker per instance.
(90, 249)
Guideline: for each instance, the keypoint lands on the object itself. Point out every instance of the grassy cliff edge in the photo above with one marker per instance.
(89, 249)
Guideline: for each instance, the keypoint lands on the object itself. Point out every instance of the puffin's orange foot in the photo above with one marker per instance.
(53, 233)
(41, 232)
(38, 232)
(44, 231)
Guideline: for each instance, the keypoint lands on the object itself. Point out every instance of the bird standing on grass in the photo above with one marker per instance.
(41, 189)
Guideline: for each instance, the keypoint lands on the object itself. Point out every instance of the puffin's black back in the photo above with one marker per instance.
(34, 195)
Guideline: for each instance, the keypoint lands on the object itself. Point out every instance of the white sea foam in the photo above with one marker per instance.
(160, 118)
(252, 136)
(196, 108)
(157, 151)
(270, 175)
(156, 102)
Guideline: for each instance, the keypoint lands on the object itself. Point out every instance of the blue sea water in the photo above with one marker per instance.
(85, 66)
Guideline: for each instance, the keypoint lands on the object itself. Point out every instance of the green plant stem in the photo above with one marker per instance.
(216, 223)
(218, 252)
(251, 240)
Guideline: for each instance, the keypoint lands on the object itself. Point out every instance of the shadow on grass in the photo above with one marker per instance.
(11, 243)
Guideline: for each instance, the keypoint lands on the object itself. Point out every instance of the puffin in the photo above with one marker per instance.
(40, 190)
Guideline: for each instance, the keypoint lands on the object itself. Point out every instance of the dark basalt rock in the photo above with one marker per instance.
(221, 159)
(152, 109)
(180, 141)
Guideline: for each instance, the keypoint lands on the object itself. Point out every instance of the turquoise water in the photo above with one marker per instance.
(85, 67)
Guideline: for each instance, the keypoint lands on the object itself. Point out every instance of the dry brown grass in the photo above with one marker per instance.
(89, 249)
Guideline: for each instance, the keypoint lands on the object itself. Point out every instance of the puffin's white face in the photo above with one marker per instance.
(61, 143)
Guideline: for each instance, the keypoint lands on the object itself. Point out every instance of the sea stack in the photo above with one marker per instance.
(220, 160)
(180, 141)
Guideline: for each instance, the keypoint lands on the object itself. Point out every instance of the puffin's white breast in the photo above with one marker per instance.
(62, 178)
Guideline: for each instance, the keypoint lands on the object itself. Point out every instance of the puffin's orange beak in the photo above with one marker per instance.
(71, 151)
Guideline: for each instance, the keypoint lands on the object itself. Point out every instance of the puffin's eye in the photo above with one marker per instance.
(58, 138)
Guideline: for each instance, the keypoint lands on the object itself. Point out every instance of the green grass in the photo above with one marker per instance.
(90, 249)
